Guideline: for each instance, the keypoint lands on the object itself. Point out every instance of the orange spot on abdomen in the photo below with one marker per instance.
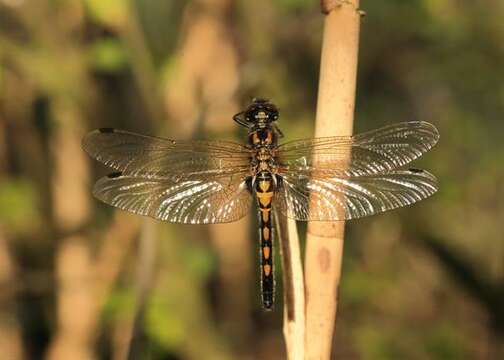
(267, 269)
(266, 233)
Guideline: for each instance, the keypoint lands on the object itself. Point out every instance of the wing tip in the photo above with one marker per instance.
(431, 129)
(89, 140)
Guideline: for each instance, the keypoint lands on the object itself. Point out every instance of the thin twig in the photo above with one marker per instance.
(293, 284)
(335, 111)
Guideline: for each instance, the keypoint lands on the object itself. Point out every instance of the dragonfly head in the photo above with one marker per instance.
(259, 113)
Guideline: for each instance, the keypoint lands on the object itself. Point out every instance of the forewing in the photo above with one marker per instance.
(135, 154)
(193, 200)
(311, 198)
(373, 152)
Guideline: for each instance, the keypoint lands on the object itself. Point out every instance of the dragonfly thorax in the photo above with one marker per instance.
(262, 137)
(263, 143)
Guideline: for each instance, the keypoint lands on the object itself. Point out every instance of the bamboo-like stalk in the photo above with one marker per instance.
(335, 111)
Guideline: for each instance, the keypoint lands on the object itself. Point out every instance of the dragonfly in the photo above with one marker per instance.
(317, 179)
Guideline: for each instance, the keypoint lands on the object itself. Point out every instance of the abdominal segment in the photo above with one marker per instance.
(264, 191)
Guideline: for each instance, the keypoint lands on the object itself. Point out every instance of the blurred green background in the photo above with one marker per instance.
(82, 281)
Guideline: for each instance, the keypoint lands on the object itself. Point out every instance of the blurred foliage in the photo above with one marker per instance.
(17, 205)
(111, 13)
(108, 55)
(419, 283)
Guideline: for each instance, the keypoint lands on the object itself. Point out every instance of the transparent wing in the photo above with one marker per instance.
(337, 198)
(373, 152)
(196, 200)
(135, 154)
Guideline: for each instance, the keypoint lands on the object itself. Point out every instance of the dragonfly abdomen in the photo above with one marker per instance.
(264, 191)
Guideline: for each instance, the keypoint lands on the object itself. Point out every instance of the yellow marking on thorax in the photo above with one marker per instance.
(264, 185)
(266, 233)
(267, 269)
(266, 252)
(264, 198)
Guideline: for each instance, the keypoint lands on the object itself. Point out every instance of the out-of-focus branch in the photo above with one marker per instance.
(10, 332)
(116, 243)
(144, 274)
(335, 111)
(73, 257)
(206, 68)
(84, 282)
(489, 293)
(142, 65)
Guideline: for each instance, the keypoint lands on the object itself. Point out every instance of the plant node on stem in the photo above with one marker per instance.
(329, 5)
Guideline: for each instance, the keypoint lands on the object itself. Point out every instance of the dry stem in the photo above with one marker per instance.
(294, 300)
(335, 110)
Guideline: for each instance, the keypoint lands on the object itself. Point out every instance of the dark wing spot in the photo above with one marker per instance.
(114, 175)
(417, 171)
(106, 130)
